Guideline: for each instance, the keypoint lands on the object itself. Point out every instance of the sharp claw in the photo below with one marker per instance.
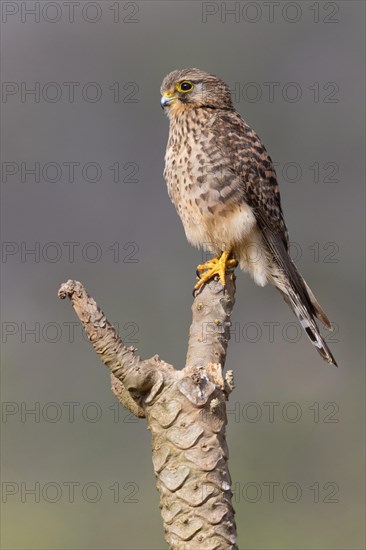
(196, 291)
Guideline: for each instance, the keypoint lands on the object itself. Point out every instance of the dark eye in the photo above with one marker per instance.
(185, 86)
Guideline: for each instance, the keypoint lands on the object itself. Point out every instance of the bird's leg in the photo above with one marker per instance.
(215, 266)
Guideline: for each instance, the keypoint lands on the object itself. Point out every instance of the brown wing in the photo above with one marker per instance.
(249, 160)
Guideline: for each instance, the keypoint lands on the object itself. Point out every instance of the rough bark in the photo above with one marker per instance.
(185, 412)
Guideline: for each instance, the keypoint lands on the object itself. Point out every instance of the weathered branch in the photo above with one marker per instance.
(209, 334)
(185, 411)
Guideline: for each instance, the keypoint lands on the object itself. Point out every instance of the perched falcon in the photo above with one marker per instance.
(224, 187)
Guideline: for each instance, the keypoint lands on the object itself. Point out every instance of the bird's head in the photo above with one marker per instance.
(191, 89)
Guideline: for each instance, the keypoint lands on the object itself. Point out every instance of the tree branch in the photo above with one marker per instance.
(185, 411)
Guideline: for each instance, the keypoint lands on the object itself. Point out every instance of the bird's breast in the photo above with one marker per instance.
(203, 188)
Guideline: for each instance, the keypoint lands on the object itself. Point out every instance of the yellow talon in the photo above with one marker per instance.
(215, 266)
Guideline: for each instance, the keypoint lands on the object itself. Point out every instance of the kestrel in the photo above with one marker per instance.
(224, 187)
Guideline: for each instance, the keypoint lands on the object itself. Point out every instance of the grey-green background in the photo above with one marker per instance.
(315, 442)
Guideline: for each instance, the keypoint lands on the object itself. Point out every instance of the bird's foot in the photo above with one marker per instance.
(215, 266)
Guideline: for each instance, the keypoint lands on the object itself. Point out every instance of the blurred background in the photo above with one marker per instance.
(83, 144)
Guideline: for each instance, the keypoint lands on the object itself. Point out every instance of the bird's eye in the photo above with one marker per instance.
(185, 86)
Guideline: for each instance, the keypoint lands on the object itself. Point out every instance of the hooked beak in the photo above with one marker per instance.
(167, 99)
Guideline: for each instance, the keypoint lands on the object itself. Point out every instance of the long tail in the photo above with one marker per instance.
(306, 318)
(302, 301)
